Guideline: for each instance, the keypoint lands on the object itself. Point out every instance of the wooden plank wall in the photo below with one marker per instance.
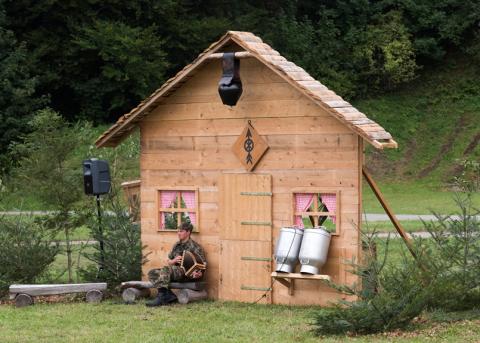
(187, 141)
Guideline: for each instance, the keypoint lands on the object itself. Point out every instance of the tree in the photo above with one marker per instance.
(121, 66)
(17, 88)
(49, 169)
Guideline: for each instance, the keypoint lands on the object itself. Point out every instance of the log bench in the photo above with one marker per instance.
(23, 294)
(185, 291)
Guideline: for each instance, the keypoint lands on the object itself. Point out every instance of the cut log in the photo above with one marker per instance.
(187, 295)
(33, 290)
(136, 284)
(197, 286)
(131, 295)
(94, 296)
(22, 300)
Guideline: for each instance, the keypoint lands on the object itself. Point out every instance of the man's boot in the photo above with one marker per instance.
(169, 297)
(159, 300)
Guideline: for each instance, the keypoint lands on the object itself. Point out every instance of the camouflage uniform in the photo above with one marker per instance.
(162, 277)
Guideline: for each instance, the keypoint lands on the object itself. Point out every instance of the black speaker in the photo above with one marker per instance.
(96, 177)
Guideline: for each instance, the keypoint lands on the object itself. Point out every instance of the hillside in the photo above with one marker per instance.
(436, 121)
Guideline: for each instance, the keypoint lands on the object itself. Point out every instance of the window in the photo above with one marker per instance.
(176, 206)
(317, 209)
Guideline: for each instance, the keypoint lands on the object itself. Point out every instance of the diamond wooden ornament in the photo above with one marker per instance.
(249, 147)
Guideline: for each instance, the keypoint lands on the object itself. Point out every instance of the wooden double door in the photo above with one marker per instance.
(245, 237)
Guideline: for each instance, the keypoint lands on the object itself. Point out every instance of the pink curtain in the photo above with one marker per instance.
(189, 199)
(166, 200)
(302, 203)
(330, 200)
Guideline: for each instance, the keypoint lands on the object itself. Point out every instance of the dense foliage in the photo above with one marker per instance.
(97, 59)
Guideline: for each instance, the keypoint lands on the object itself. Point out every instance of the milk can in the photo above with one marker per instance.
(288, 245)
(314, 249)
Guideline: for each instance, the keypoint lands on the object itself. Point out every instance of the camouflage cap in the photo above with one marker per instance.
(187, 226)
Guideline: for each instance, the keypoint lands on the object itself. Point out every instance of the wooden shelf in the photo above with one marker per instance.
(288, 279)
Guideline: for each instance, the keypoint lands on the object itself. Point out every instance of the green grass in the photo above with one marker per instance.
(434, 116)
(207, 321)
(57, 272)
(387, 226)
(412, 198)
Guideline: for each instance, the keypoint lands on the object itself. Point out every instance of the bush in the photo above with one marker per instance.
(387, 298)
(445, 275)
(122, 257)
(26, 250)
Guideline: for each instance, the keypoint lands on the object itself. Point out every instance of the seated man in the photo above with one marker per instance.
(161, 278)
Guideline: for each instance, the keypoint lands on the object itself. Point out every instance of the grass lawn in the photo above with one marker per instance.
(207, 321)
(411, 198)
(387, 226)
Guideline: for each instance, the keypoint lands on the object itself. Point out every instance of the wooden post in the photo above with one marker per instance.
(389, 212)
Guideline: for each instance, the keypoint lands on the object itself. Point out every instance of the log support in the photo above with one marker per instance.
(131, 295)
(186, 296)
(185, 291)
(22, 300)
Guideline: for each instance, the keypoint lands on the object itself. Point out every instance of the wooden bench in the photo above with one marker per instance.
(185, 291)
(23, 294)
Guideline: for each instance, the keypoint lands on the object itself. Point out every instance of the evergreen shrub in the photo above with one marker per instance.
(386, 298)
(122, 256)
(26, 250)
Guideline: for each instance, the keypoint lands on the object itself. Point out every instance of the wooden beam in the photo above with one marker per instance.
(389, 211)
(239, 54)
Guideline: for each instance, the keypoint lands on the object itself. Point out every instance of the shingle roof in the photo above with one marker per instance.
(293, 74)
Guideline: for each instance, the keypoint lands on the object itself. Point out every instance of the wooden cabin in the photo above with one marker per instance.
(192, 162)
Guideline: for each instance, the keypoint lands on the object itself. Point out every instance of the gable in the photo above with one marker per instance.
(253, 47)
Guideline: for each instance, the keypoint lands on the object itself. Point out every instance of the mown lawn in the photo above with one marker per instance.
(412, 198)
(207, 321)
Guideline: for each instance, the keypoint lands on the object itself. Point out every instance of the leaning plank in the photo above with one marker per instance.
(56, 288)
(185, 296)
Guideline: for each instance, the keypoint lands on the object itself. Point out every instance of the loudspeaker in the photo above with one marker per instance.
(96, 177)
